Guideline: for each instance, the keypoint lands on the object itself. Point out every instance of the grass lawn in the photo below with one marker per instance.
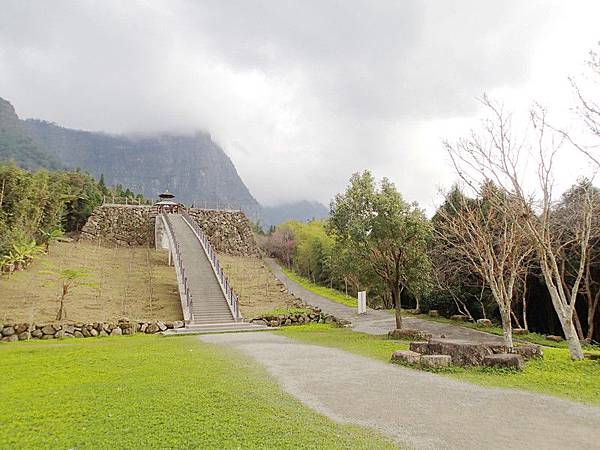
(134, 282)
(331, 294)
(556, 374)
(257, 288)
(151, 392)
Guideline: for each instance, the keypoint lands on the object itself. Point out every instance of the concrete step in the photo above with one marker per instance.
(235, 327)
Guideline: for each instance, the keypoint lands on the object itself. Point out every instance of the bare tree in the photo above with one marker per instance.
(499, 156)
(486, 234)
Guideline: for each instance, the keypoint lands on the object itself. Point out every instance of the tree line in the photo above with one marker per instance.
(502, 245)
(35, 205)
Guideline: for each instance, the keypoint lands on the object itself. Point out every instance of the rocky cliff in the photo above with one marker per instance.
(193, 166)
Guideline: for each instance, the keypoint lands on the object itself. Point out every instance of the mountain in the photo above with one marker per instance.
(301, 211)
(193, 167)
(17, 146)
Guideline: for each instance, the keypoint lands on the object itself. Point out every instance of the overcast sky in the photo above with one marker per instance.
(299, 94)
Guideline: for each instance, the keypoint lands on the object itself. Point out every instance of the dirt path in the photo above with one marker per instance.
(420, 409)
(379, 322)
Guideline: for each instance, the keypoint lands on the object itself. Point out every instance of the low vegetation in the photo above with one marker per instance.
(150, 392)
(555, 375)
(330, 293)
(119, 282)
(255, 285)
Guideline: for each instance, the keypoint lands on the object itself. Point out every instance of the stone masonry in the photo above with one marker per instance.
(229, 232)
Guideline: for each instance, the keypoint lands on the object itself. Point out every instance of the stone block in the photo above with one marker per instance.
(11, 338)
(520, 331)
(434, 313)
(22, 327)
(554, 338)
(152, 328)
(529, 351)
(463, 353)
(24, 336)
(116, 332)
(409, 333)
(484, 322)
(435, 361)
(504, 360)
(36, 334)
(48, 330)
(161, 326)
(406, 356)
(419, 347)
(78, 334)
(8, 331)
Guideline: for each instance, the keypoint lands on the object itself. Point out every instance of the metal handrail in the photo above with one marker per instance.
(210, 252)
(179, 268)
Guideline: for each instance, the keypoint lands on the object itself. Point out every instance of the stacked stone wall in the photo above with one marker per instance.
(121, 224)
(230, 232)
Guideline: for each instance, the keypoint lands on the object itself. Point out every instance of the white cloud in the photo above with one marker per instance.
(299, 94)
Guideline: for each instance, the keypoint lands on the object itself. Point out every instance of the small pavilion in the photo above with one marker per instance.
(166, 203)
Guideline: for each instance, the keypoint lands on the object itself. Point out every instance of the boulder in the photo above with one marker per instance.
(434, 313)
(406, 356)
(20, 328)
(435, 361)
(48, 330)
(8, 331)
(554, 338)
(152, 328)
(459, 317)
(116, 332)
(409, 333)
(24, 336)
(484, 322)
(529, 351)
(520, 331)
(504, 360)
(36, 334)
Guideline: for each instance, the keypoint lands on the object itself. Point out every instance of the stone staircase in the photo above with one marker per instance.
(209, 308)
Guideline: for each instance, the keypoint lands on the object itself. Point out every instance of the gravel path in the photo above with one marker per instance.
(378, 322)
(418, 408)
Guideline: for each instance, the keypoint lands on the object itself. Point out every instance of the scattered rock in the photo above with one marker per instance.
(520, 331)
(406, 356)
(459, 317)
(504, 360)
(554, 338)
(484, 322)
(434, 313)
(435, 361)
(529, 351)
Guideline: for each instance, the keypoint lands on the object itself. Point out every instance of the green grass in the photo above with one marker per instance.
(331, 294)
(151, 392)
(283, 312)
(556, 374)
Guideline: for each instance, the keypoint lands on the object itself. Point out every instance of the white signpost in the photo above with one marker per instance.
(362, 302)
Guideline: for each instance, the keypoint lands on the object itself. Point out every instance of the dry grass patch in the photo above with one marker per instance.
(135, 282)
(257, 288)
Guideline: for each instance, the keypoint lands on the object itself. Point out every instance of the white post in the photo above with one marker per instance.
(362, 302)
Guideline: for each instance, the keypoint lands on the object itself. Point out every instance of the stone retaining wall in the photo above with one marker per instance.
(230, 232)
(10, 332)
(121, 225)
(312, 315)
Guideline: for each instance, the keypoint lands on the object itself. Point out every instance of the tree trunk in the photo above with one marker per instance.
(62, 312)
(507, 328)
(396, 294)
(572, 340)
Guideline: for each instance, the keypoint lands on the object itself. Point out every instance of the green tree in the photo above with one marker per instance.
(385, 231)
